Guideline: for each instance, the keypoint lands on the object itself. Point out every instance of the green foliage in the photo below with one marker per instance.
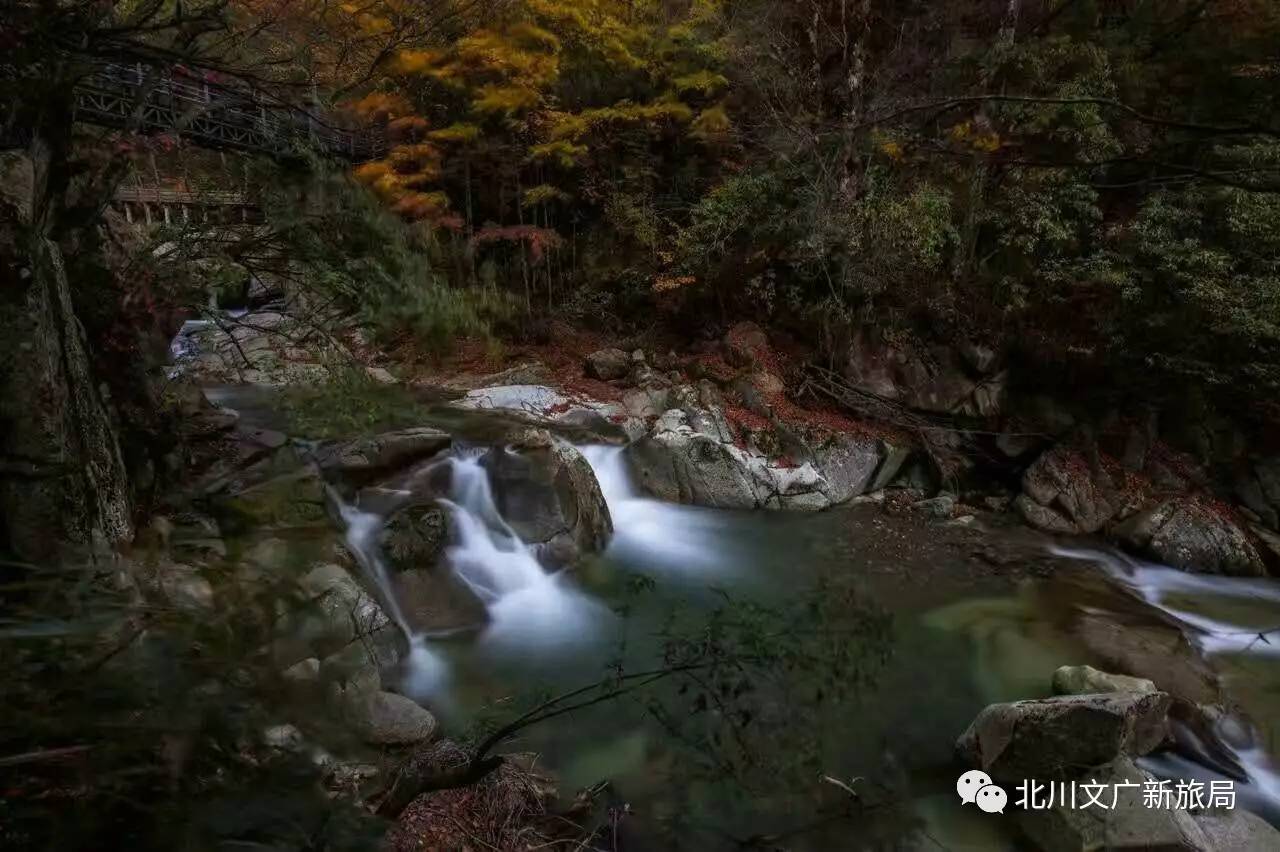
(356, 254)
(350, 404)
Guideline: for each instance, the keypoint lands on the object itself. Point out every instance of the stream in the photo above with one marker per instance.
(963, 633)
(960, 616)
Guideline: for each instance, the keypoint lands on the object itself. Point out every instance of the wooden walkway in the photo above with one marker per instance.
(192, 104)
(157, 205)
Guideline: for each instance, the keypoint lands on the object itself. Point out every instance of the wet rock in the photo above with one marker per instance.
(608, 364)
(1072, 497)
(435, 600)
(1189, 534)
(1086, 680)
(590, 420)
(385, 718)
(1131, 824)
(1237, 830)
(353, 671)
(415, 537)
(367, 459)
(1050, 738)
(292, 498)
(548, 492)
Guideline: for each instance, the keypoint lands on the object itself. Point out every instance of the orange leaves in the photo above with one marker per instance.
(979, 137)
(381, 107)
(538, 240)
(409, 128)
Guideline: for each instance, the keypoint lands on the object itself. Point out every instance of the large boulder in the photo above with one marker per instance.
(1063, 494)
(584, 419)
(1051, 738)
(1237, 830)
(547, 491)
(415, 536)
(333, 612)
(385, 718)
(1194, 535)
(608, 364)
(848, 465)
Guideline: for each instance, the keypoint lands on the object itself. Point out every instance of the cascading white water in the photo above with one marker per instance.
(1156, 584)
(528, 608)
(681, 539)
(425, 672)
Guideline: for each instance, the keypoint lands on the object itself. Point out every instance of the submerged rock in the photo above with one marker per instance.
(1050, 738)
(1189, 534)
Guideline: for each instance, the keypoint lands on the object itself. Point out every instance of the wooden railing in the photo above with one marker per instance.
(153, 99)
(155, 205)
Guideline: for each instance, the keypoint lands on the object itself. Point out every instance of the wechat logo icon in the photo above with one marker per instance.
(975, 787)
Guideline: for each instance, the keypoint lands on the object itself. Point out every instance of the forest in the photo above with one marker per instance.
(544, 424)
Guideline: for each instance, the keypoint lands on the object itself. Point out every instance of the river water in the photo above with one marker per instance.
(961, 617)
(927, 622)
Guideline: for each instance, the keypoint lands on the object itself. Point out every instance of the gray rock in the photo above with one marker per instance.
(847, 465)
(746, 345)
(283, 737)
(1131, 824)
(1062, 481)
(1051, 738)
(303, 672)
(366, 459)
(1086, 680)
(435, 600)
(1189, 534)
(1016, 445)
(415, 537)
(1042, 517)
(893, 456)
(336, 613)
(978, 357)
(353, 671)
(1237, 830)
(943, 506)
(385, 718)
(548, 492)
(646, 403)
(183, 588)
(608, 364)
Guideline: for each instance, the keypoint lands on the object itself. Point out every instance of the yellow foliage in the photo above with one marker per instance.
(416, 61)
(543, 194)
(712, 124)
(704, 81)
(459, 134)
(892, 150)
(562, 152)
(371, 172)
(421, 205)
(508, 99)
(406, 158)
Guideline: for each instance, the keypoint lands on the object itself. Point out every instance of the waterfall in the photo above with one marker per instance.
(425, 672)
(1156, 584)
(527, 607)
(679, 539)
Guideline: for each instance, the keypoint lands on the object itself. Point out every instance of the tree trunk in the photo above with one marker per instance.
(62, 479)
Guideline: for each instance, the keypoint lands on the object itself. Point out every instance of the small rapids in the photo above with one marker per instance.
(529, 609)
(1171, 591)
(665, 536)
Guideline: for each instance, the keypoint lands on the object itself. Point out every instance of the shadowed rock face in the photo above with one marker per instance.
(546, 490)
